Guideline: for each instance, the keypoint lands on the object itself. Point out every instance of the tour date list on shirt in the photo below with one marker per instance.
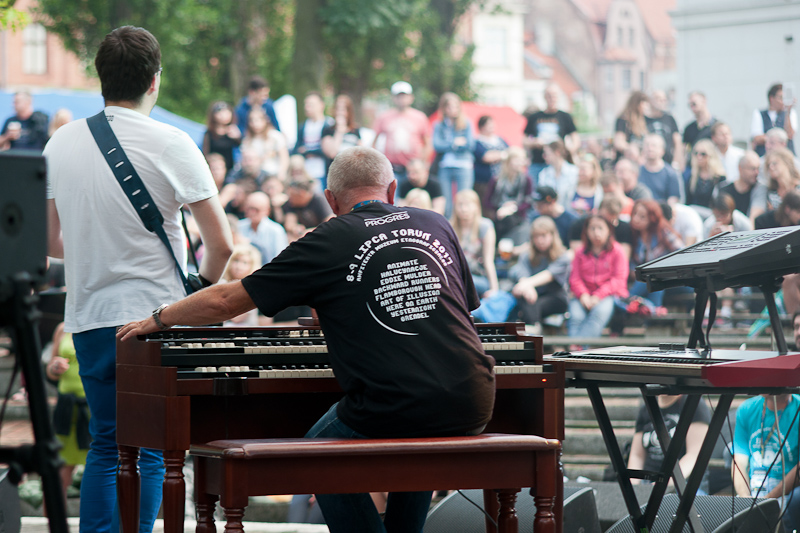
(407, 270)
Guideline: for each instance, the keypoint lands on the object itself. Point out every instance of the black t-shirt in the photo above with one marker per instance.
(393, 293)
(692, 133)
(665, 126)
(703, 191)
(222, 145)
(623, 126)
(312, 214)
(432, 187)
(32, 132)
(742, 200)
(653, 456)
(349, 139)
(622, 231)
(549, 126)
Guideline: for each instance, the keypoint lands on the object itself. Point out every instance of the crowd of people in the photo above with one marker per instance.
(657, 188)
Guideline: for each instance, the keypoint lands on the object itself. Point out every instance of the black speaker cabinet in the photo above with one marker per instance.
(718, 514)
(10, 512)
(455, 514)
(23, 215)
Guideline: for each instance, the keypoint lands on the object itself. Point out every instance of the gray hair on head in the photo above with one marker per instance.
(359, 167)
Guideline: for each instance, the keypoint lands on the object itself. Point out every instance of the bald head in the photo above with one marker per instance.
(749, 166)
(358, 171)
(256, 207)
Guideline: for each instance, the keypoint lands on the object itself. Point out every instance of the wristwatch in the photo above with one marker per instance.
(157, 317)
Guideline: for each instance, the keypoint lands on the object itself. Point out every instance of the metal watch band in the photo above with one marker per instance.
(157, 316)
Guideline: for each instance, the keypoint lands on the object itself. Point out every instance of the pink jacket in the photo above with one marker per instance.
(601, 276)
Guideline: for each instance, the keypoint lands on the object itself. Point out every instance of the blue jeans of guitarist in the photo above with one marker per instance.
(96, 352)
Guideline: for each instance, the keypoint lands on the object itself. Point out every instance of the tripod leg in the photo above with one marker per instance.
(24, 317)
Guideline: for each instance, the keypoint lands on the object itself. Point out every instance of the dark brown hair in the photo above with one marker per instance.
(126, 62)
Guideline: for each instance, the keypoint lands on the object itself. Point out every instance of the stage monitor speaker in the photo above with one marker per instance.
(718, 514)
(23, 215)
(10, 511)
(454, 514)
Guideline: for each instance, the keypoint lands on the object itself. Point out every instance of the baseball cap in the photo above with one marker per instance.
(545, 194)
(401, 87)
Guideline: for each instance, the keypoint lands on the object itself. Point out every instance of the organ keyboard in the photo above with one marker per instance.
(189, 386)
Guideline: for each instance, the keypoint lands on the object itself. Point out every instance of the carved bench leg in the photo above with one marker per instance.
(204, 504)
(507, 521)
(544, 521)
(492, 509)
(234, 516)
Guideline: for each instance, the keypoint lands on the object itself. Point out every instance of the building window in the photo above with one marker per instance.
(631, 35)
(610, 79)
(34, 49)
(626, 79)
(642, 80)
(619, 37)
(493, 50)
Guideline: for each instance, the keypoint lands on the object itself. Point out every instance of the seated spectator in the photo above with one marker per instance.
(730, 155)
(222, 135)
(748, 194)
(250, 177)
(599, 274)
(776, 138)
(267, 236)
(631, 125)
(560, 173)
(765, 451)
(510, 193)
(265, 140)
(646, 452)
(343, 133)
(541, 275)
(612, 188)
(628, 173)
(653, 237)
(304, 209)
(418, 198)
(609, 210)
(276, 190)
(685, 220)
(783, 176)
(704, 174)
(725, 217)
(477, 237)
(587, 192)
(660, 178)
(490, 151)
(546, 201)
(244, 260)
(417, 172)
(216, 164)
(787, 214)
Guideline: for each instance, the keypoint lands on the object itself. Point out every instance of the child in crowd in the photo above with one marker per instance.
(599, 274)
(541, 274)
(477, 237)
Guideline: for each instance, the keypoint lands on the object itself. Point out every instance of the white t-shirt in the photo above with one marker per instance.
(757, 123)
(117, 271)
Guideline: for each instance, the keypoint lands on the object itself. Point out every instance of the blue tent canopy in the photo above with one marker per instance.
(85, 104)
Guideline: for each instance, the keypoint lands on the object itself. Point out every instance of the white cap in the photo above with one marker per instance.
(401, 87)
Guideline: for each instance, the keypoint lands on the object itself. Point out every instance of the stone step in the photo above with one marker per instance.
(580, 441)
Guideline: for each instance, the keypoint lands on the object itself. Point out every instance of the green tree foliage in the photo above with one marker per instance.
(11, 19)
(209, 47)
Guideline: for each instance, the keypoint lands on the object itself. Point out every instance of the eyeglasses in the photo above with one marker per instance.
(701, 154)
(159, 70)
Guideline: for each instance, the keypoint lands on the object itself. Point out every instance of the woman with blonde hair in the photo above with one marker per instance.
(705, 173)
(477, 237)
(418, 198)
(510, 193)
(585, 195)
(782, 174)
(262, 137)
(454, 143)
(631, 125)
(244, 260)
(541, 274)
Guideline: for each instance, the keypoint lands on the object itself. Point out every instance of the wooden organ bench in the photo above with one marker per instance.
(232, 470)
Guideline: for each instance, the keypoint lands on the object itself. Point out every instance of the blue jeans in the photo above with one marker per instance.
(463, 178)
(583, 323)
(347, 513)
(96, 352)
(639, 288)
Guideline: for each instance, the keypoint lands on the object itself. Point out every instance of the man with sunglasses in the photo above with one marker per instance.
(393, 293)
